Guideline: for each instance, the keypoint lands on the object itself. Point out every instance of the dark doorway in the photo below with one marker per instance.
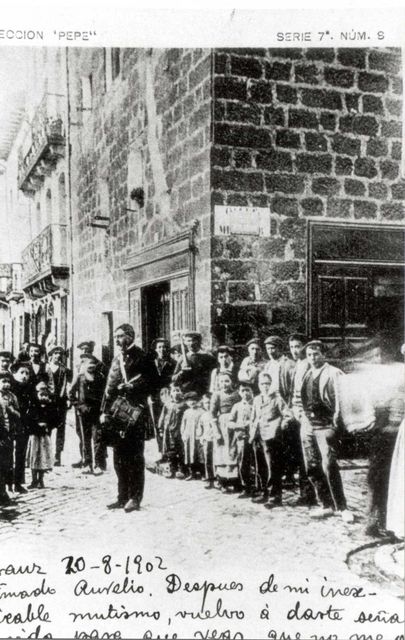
(357, 287)
(155, 312)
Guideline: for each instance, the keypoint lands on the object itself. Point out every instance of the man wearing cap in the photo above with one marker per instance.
(128, 378)
(296, 343)
(225, 365)
(24, 392)
(6, 359)
(59, 377)
(279, 367)
(86, 348)
(193, 371)
(252, 365)
(321, 420)
(86, 393)
(38, 367)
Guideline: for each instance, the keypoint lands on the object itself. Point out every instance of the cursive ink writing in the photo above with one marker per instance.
(43, 590)
(174, 583)
(309, 614)
(114, 614)
(82, 588)
(381, 616)
(12, 570)
(206, 614)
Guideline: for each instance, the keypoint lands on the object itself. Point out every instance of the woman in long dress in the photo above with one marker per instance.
(225, 460)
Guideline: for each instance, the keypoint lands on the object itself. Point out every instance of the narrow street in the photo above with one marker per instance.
(73, 507)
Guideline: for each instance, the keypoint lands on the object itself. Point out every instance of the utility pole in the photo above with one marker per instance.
(70, 209)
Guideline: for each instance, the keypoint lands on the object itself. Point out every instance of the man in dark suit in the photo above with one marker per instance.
(58, 378)
(162, 368)
(129, 378)
(193, 371)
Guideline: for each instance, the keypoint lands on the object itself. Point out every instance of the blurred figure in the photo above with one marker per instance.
(24, 392)
(395, 506)
(9, 428)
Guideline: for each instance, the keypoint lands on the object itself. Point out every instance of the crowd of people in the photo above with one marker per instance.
(256, 429)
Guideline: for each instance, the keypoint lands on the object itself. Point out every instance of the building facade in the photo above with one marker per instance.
(42, 179)
(239, 191)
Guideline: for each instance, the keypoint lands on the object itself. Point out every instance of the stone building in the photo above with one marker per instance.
(42, 178)
(239, 191)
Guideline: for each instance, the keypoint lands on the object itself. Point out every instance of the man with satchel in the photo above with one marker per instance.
(125, 418)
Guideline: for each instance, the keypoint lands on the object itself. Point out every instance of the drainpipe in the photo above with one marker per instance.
(69, 203)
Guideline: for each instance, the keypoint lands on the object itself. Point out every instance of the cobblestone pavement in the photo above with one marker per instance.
(175, 514)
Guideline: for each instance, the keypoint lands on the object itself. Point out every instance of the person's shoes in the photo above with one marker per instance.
(5, 500)
(20, 489)
(190, 477)
(77, 465)
(41, 484)
(180, 475)
(244, 495)
(347, 516)
(87, 471)
(131, 505)
(224, 490)
(33, 485)
(321, 512)
(57, 463)
(260, 499)
(98, 471)
(116, 505)
(209, 485)
(272, 503)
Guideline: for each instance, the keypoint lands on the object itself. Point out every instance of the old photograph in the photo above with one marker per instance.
(202, 341)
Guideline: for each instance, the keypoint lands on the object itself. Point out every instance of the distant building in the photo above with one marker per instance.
(42, 178)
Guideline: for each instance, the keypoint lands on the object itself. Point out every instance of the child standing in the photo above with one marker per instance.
(226, 468)
(42, 419)
(270, 414)
(239, 423)
(188, 428)
(206, 437)
(169, 431)
(9, 427)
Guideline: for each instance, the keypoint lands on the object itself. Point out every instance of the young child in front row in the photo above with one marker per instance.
(189, 427)
(42, 418)
(169, 431)
(9, 427)
(206, 436)
(270, 415)
(239, 423)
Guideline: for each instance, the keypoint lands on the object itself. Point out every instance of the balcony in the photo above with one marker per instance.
(45, 262)
(43, 145)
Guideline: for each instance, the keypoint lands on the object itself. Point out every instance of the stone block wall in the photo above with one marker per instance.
(312, 134)
(158, 108)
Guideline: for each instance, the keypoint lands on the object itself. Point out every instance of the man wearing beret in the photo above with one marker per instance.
(193, 370)
(86, 348)
(321, 420)
(128, 378)
(252, 365)
(59, 377)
